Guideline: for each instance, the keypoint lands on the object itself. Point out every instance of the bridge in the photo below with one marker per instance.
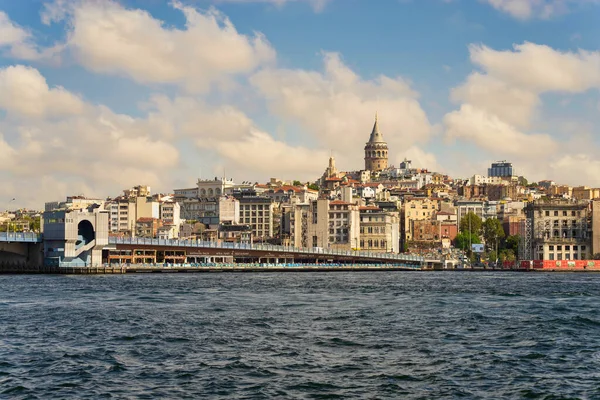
(26, 248)
(20, 237)
(171, 251)
(20, 248)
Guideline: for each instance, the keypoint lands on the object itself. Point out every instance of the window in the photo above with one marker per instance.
(559, 248)
(556, 213)
(564, 213)
(547, 213)
(568, 248)
(582, 248)
(551, 256)
(573, 213)
(551, 248)
(575, 248)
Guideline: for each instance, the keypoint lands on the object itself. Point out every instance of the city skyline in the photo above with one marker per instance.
(96, 96)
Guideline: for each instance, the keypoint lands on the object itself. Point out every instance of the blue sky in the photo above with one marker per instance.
(99, 96)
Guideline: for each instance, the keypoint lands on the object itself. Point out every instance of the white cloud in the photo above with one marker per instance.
(540, 68)
(511, 103)
(500, 107)
(527, 9)
(493, 134)
(420, 159)
(262, 153)
(54, 151)
(51, 135)
(19, 42)
(24, 91)
(108, 38)
(336, 108)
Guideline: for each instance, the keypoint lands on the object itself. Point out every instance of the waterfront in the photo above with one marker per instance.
(300, 335)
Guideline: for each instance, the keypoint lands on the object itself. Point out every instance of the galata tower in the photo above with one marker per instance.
(376, 151)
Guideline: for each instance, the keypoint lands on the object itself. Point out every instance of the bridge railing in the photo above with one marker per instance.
(263, 247)
(26, 237)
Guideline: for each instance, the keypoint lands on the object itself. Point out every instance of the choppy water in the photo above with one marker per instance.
(301, 335)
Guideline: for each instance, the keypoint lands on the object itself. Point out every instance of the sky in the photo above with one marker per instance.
(100, 95)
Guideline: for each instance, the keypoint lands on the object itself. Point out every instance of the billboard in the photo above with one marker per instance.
(477, 248)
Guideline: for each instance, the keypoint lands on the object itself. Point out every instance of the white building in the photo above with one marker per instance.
(215, 188)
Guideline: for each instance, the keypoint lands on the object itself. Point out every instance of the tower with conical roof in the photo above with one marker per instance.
(376, 150)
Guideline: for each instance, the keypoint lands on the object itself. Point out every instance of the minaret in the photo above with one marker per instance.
(376, 150)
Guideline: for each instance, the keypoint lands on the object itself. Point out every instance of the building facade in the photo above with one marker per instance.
(379, 230)
(560, 230)
(502, 169)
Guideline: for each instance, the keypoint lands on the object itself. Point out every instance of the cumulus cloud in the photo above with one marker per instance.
(18, 42)
(499, 105)
(264, 154)
(513, 104)
(51, 134)
(541, 68)
(493, 134)
(108, 38)
(56, 144)
(336, 107)
(527, 9)
(24, 91)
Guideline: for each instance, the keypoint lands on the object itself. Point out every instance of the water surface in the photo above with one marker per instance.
(301, 335)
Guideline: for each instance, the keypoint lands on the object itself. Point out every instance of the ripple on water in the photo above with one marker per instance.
(346, 335)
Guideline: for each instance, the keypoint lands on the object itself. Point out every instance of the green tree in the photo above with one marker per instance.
(523, 181)
(492, 256)
(492, 232)
(512, 243)
(471, 223)
(297, 183)
(464, 240)
(313, 186)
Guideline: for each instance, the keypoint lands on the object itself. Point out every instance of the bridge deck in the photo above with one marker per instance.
(22, 237)
(318, 252)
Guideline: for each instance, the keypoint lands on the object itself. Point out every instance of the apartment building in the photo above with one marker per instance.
(416, 209)
(560, 230)
(379, 230)
(257, 212)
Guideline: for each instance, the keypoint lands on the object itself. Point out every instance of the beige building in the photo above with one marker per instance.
(324, 223)
(585, 193)
(560, 230)
(214, 188)
(257, 212)
(417, 209)
(379, 230)
(229, 210)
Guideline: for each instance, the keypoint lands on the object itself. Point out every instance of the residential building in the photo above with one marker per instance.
(560, 230)
(379, 230)
(416, 209)
(257, 212)
(147, 227)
